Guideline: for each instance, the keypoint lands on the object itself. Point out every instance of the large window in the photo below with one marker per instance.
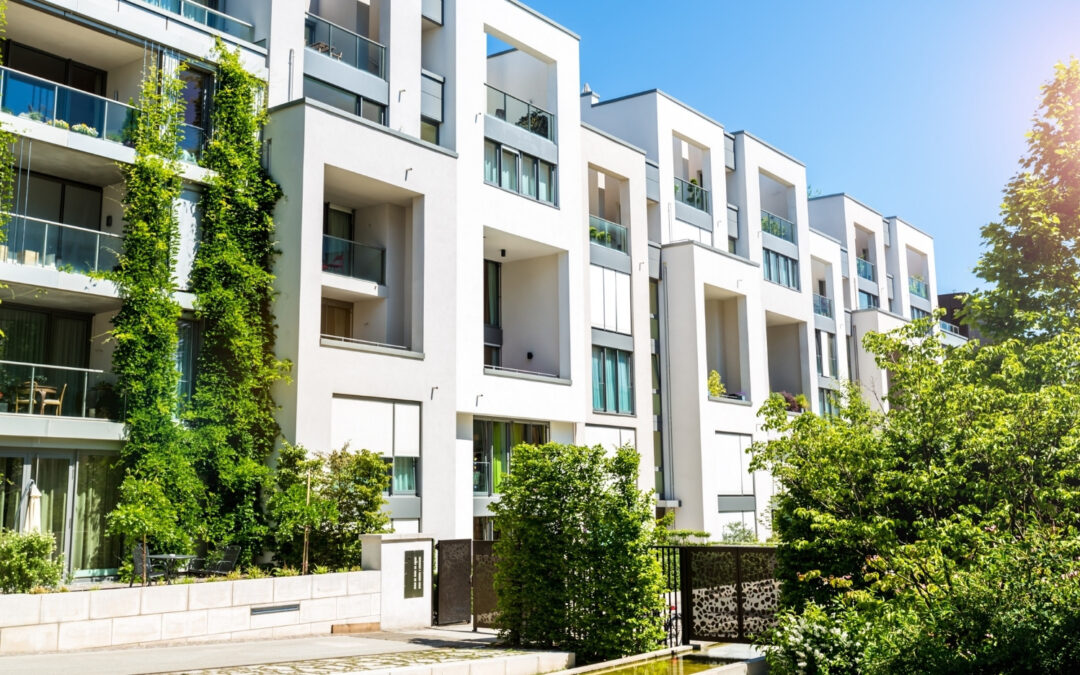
(613, 380)
(345, 100)
(492, 313)
(827, 364)
(917, 313)
(827, 402)
(186, 349)
(867, 300)
(493, 444)
(780, 269)
(515, 171)
(389, 428)
(609, 299)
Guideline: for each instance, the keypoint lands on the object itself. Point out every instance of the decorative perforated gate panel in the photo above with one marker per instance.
(483, 584)
(728, 592)
(453, 596)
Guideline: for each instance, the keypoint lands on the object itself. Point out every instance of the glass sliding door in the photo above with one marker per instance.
(53, 478)
(93, 552)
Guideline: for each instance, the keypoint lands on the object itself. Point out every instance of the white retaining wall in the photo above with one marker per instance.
(220, 610)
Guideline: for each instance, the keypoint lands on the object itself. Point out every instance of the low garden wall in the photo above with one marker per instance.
(219, 610)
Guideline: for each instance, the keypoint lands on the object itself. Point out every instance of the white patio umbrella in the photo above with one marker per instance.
(32, 519)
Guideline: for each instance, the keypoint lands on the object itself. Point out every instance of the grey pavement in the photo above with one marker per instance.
(223, 655)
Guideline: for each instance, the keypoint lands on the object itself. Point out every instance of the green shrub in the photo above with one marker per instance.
(716, 386)
(26, 561)
(574, 568)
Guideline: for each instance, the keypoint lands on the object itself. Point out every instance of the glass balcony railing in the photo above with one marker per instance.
(919, 287)
(352, 259)
(692, 194)
(951, 328)
(342, 44)
(518, 112)
(865, 269)
(31, 241)
(607, 233)
(199, 13)
(823, 305)
(777, 226)
(80, 112)
(36, 389)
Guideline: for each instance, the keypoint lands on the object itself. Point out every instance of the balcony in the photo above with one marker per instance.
(777, 226)
(352, 259)
(692, 194)
(36, 389)
(31, 241)
(342, 44)
(865, 269)
(951, 328)
(210, 18)
(519, 113)
(823, 306)
(919, 287)
(607, 233)
(80, 112)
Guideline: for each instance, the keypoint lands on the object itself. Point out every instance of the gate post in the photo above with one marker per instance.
(686, 587)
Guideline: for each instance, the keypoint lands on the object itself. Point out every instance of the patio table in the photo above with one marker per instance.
(171, 561)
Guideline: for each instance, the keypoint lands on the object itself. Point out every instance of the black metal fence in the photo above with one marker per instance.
(668, 557)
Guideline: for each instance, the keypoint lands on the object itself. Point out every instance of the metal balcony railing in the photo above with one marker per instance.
(865, 269)
(777, 226)
(823, 305)
(210, 18)
(342, 44)
(518, 112)
(80, 112)
(352, 259)
(607, 233)
(32, 241)
(919, 287)
(693, 195)
(38, 389)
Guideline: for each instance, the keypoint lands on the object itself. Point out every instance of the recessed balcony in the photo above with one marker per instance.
(60, 391)
(608, 234)
(353, 259)
(823, 306)
(777, 226)
(865, 269)
(919, 287)
(211, 18)
(346, 46)
(69, 248)
(692, 194)
(511, 109)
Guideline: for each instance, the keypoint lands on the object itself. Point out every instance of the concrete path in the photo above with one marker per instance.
(420, 646)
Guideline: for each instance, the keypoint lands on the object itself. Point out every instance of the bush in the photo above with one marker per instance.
(574, 569)
(346, 501)
(26, 561)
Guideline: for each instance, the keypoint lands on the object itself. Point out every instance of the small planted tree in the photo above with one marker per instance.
(574, 570)
(144, 512)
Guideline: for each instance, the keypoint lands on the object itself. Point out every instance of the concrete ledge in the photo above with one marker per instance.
(627, 660)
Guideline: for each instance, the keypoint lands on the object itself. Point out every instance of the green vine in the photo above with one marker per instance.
(7, 153)
(233, 411)
(156, 454)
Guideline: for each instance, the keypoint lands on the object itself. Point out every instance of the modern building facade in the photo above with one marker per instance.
(475, 254)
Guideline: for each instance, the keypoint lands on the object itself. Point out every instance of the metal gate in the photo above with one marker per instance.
(729, 593)
(483, 561)
(453, 581)
(668, 557)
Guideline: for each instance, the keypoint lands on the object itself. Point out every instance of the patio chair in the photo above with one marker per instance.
(139, 558)
(201, 567)
(58, 402)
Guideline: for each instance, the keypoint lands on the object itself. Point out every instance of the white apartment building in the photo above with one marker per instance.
(474, 255)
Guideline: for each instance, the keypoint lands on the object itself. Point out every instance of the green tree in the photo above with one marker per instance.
(143, 513)
(574, 570)
(145, 328)
(233, 409)
(344, 501)
(940, 536)
(1033, 254)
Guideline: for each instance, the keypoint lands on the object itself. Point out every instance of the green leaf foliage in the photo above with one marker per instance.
(1033, 255)
(232, 413)
(144, 330)
(940, 536)
(27, 561)
(345, 500)
(574, 571)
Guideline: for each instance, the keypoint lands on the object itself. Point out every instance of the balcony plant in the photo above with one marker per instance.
(60, 124)
(86, 130)
(716, 387)
(33, 116)
(795, 403)
(599, 236)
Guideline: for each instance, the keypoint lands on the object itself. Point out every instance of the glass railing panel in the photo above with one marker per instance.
(28, 97)
(777, 226)
(607, 233)
(352, 259)
(865, 269)
(120, 123)
(344, 45)
(520, 113)
(692, 194)
(823, 305)
(950, 328)
(41, 389)
(919, 287)
(82, 112)
(191, 143)
(29, 241)
(210, 18)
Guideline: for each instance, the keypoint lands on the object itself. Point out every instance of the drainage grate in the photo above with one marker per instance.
(274, 609)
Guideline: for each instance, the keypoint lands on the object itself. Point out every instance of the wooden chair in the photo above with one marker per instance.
(57, 402)
(22, 397)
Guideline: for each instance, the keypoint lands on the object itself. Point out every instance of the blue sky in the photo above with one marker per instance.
(917, 108)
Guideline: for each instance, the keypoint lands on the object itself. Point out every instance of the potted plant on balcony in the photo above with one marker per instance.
(796, 403)
(85, 129)
(599, 236)
(58, 123)
(33, 115)
(716, 386)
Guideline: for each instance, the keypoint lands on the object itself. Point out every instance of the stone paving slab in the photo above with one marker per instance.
(369, 662)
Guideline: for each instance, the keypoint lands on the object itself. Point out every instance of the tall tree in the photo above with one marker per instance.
(145, 328)
(233, 409)
(1033, 254)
